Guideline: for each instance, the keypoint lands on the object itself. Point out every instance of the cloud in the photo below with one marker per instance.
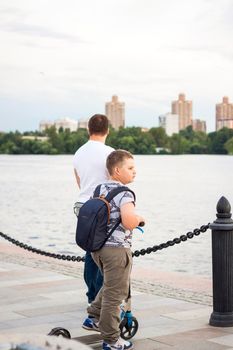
(221, 50)
(9, 11)
(39, 31)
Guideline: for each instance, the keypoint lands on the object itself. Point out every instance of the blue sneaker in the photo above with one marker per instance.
(90, 324)
(120, 344)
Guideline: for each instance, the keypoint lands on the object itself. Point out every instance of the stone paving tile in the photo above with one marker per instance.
(224, 340)
(19, 270)
(41, 329)
(34, 303)
(10, 266)
(72, 294)
(190, 336)
(144, 303)
(9, 315)
(228, 330)
(169, 311)
(190, 314)
(150, 317)
(21, 282)
(48, 283)
(3, 270)
(151, 313)
(149, 344)
(165, 311)
(199, 345)
(8, 293)
(50, 310)
(37, 320)
(3, 326)
(12, 304)
(161, 327)
(148, 301)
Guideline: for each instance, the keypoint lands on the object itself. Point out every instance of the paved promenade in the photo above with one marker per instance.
(39, 293)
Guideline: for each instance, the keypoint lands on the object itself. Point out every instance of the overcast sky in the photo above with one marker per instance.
(66, 58)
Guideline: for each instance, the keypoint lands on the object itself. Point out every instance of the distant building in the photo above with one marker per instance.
(115, 111)
(170, 122)
(83, 124)
(184, 110)
(224, 114)
(144, 129)
(199, 125)
(45, 125)
(65, 123)
(33, 137)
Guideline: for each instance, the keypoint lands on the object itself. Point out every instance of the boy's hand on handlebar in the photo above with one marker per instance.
(141, 221)
(140, 224)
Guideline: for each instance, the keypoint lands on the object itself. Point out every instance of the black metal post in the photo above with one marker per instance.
(222, 265)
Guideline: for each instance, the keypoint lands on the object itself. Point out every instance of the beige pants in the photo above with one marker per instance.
(116, 265)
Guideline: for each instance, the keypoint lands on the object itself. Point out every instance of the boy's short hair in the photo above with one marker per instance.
(117, 158)
(98, 124)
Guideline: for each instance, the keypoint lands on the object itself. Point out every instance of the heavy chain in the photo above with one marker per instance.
(42, 252)
(136, 253)
(170, 243)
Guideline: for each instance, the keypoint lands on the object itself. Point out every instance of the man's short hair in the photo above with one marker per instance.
(98, 124)
(116, 158)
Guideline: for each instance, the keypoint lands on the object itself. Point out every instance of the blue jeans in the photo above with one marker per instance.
(93, 277)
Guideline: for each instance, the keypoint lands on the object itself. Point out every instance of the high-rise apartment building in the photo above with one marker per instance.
(224, 114)
(115, 111)
(184, 109)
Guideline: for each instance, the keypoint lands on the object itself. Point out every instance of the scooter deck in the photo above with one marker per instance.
(92, 340)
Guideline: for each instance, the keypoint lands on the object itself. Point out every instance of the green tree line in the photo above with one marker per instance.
(133, 139)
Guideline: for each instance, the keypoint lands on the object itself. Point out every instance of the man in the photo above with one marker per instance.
(90, 171)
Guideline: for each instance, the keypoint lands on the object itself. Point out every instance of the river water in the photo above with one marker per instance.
(174, 193)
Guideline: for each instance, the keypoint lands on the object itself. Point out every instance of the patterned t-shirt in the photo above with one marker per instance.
(120, 237)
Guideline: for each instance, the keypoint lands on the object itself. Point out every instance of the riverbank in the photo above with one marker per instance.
(38, 293)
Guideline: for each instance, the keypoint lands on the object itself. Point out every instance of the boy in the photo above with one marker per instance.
(115, 258)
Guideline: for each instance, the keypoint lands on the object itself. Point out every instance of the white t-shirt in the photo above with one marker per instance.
(90, 164)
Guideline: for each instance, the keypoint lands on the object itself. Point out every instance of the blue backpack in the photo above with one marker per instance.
(93, 219)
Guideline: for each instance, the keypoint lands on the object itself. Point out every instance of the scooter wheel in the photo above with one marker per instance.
(59, 331)
(128, 331)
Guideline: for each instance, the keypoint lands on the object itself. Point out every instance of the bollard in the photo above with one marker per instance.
(222, 266)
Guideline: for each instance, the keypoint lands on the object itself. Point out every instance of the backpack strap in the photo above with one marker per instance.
(97, 191)
(113, 193)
